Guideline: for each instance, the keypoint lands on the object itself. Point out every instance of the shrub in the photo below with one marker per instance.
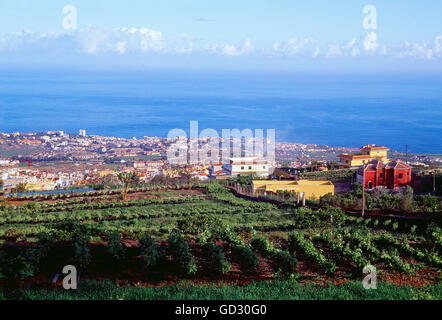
(150, 252)
(217, 255)
(284, 261)
(16, 263)
(245, 257)
(114, 247)
(81, 241)
(297, 240)
(259, 244)
(41, 249)
(197, 224)
(181, 251)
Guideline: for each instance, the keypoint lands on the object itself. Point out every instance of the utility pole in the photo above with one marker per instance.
(434, 182)
(363, 187)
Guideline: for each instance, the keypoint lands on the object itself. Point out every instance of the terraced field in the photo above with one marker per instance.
(205, 234)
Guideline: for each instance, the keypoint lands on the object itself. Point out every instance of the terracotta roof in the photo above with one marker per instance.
(373, 165)
(397, 164)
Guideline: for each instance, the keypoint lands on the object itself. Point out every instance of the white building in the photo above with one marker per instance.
(4, 162)
(82, 133)
(247, 166)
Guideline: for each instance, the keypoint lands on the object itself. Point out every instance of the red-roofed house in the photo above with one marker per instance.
(391, 175)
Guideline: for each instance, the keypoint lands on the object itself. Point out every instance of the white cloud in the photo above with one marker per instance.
(438, 44)
(316, 53)
(352, 48)
(334, 50)
(121, 46)
(427, 50)
(95, 40)
(294, 46)
(233, 50)
(416, 50)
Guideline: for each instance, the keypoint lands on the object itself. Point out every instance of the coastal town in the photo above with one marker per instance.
(58, 160)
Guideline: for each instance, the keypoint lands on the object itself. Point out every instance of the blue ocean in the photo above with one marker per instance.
(336, 110)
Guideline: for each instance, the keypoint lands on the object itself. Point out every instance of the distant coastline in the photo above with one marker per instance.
(348, 110)
(280, 145)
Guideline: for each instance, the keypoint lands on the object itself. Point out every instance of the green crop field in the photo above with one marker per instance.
(201, 236)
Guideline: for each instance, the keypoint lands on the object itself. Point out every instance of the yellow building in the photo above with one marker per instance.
(104, 173)
(312, 190)
(367, 154)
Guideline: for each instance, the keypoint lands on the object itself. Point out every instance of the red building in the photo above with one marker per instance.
(391, 175)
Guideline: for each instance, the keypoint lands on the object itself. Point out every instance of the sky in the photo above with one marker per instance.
(266, 34)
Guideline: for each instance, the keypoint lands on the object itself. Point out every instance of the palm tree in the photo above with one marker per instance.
(126, 179)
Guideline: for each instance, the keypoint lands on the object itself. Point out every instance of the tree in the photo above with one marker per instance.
(126, 179)
(21, 187)
(159, 179)
(407, 200)
(433, 166)
(314, 165)
(332, 165)
(246, 180)
(109, 179)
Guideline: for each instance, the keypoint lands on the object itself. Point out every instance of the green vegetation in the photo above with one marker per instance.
(114, 248)
(212, 232)
(284, 261)
(216, 254)
(127, 179)
(244, 255)
(385, 200)
(334, 175)
(181, 253)
(81, 240)
(298, 242)
(20, 188)
(266, 290)
(150, 252)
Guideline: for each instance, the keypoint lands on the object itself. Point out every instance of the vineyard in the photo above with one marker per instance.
(205, 234)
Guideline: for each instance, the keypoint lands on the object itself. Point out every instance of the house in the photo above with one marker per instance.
(148, 166)
(216, 171)
(139, 164)
(247, 166)
(367, 154)
(391, 175)
(312, 190)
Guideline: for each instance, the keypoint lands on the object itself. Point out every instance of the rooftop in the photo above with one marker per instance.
(373, 147)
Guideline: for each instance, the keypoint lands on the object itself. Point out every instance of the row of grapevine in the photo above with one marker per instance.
(298, 241)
